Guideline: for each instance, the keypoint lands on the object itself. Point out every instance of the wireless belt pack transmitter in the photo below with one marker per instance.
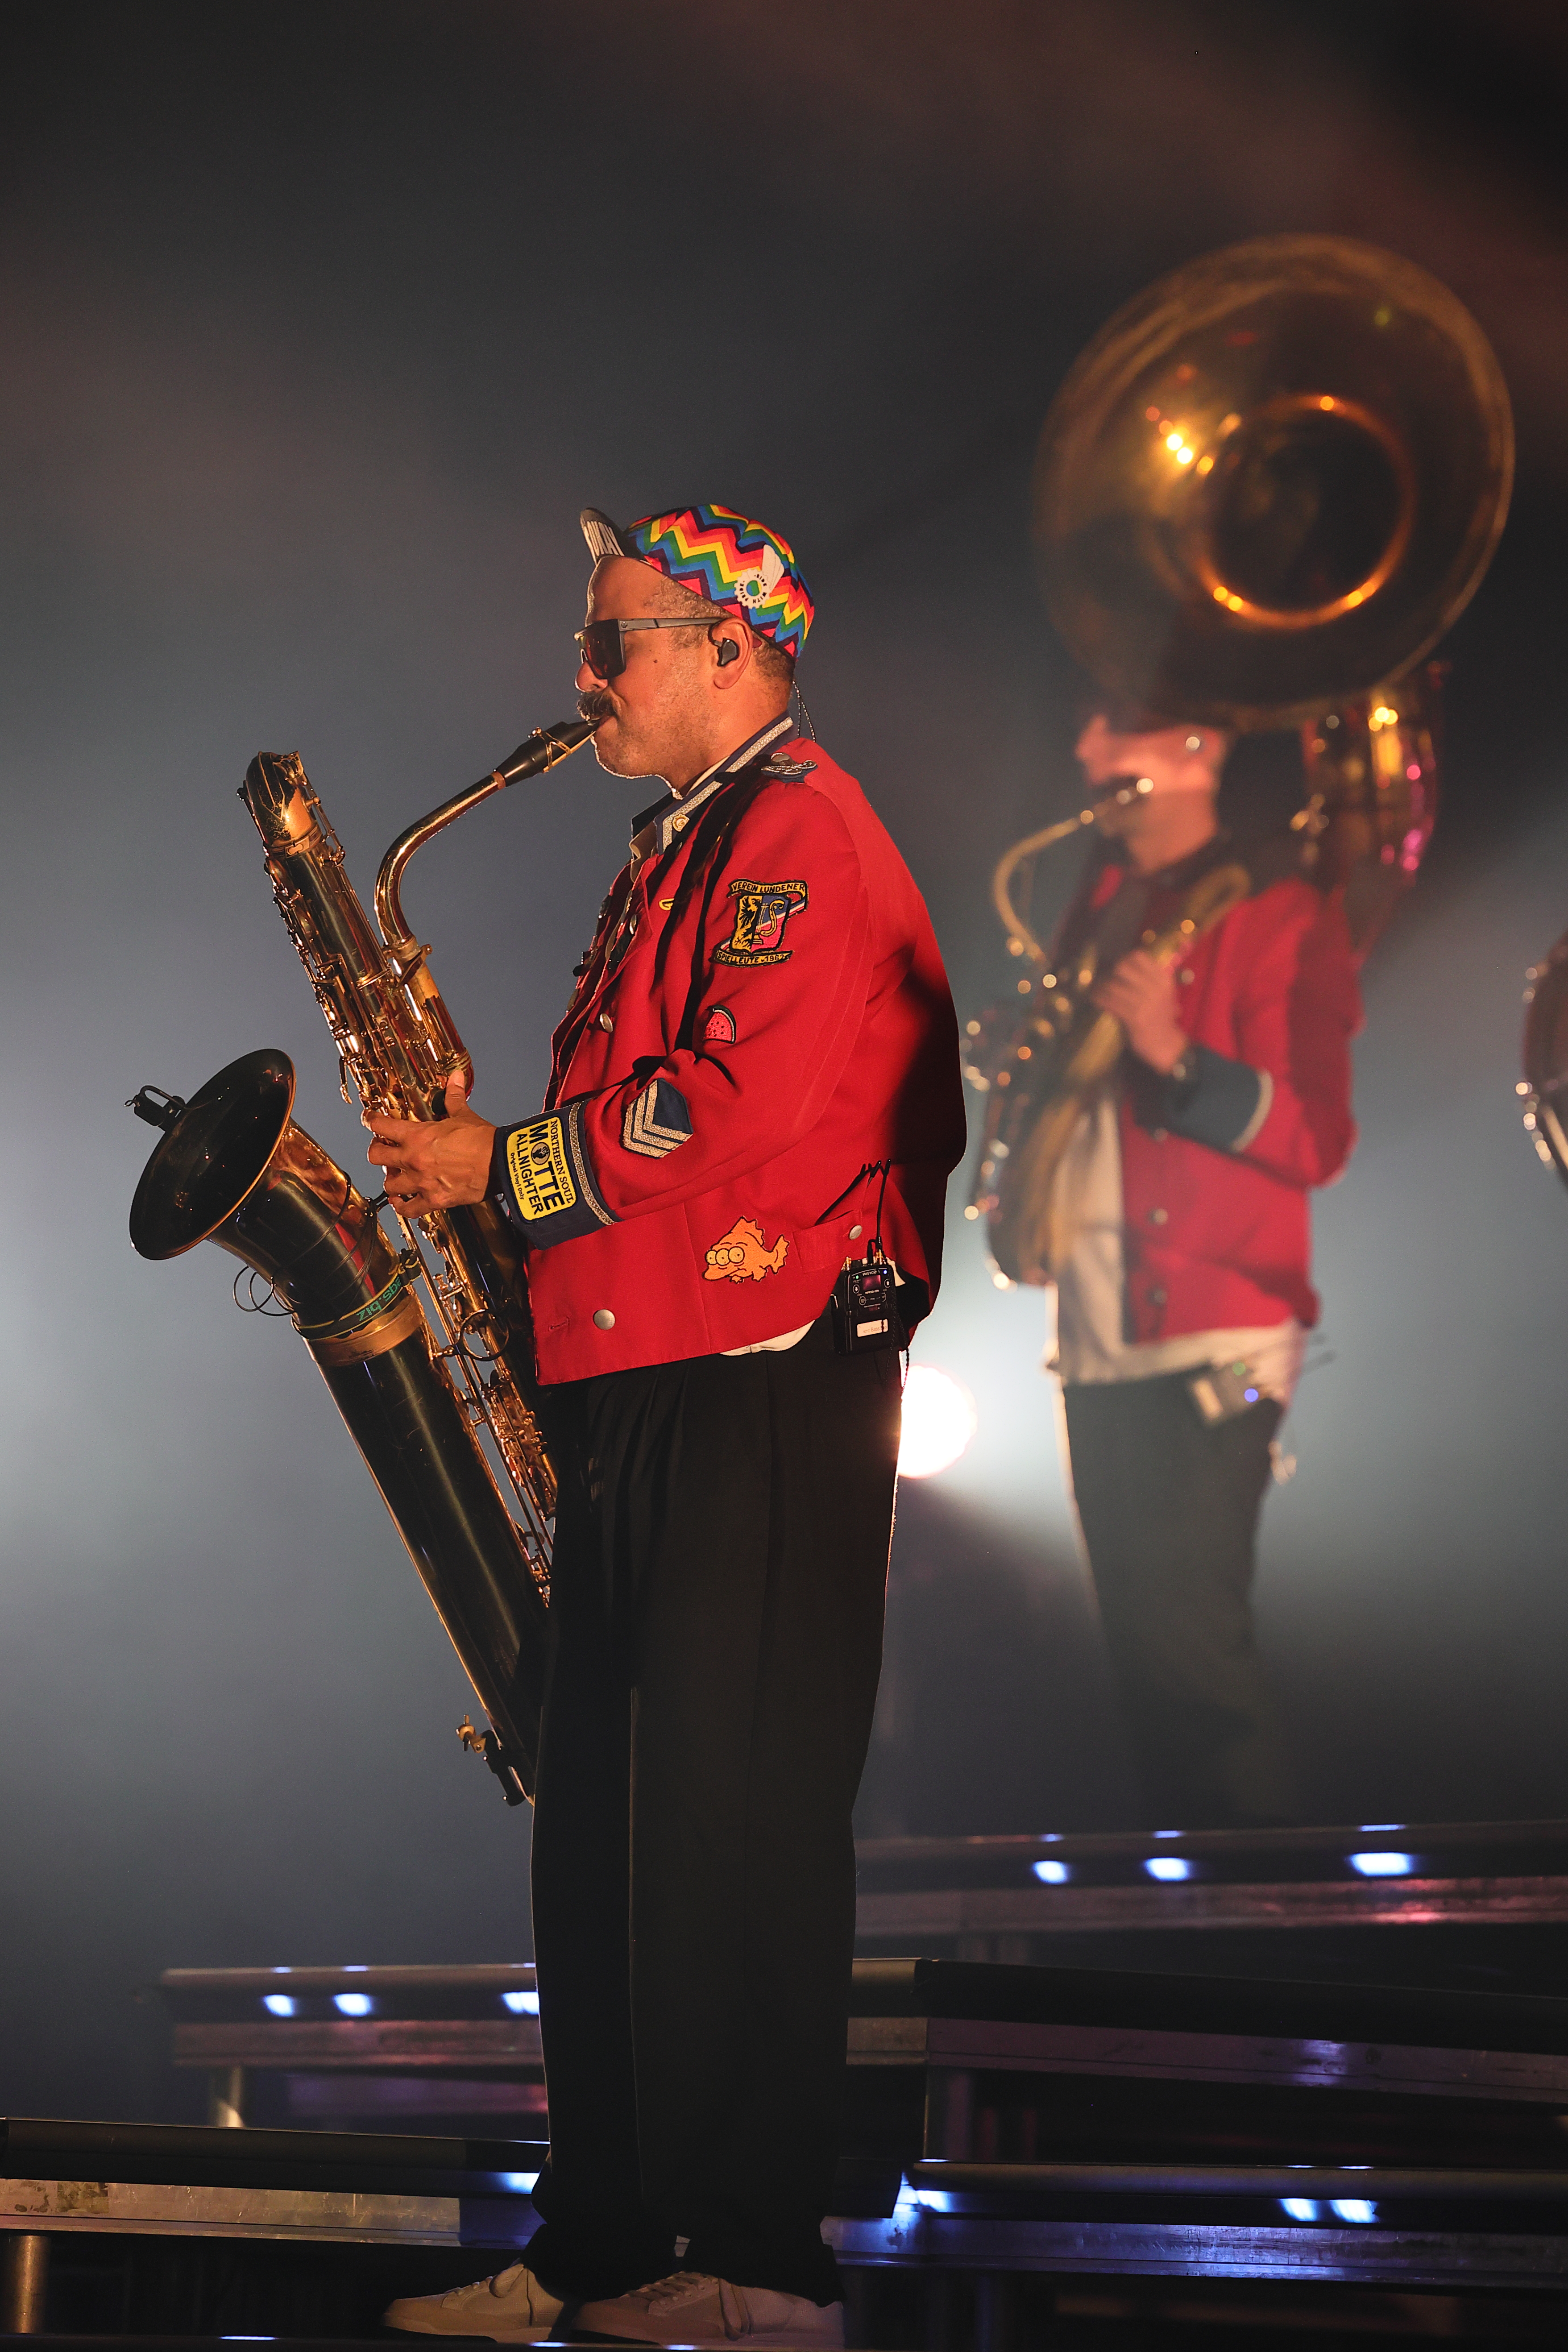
(873, 1305)
(866, 1307)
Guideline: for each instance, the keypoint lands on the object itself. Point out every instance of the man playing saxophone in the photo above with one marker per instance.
(756, 1103)
(1181, 1256)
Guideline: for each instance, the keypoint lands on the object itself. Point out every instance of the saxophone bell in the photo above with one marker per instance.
(232, 1168)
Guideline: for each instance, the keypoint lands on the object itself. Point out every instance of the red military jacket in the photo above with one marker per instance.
(1216, 1170)
(762, 1026)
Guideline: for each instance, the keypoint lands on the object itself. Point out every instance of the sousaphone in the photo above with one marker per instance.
(1272, 482)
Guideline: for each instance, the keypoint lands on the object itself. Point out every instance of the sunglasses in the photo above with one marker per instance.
(603, 643)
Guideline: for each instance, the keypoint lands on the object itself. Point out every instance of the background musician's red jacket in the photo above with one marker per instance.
(762, 1022)
(1216, 1173)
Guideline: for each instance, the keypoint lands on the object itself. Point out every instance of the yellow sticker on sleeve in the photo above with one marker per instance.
(537, 1170)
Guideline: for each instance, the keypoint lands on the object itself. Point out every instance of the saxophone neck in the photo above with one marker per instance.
(534, 756)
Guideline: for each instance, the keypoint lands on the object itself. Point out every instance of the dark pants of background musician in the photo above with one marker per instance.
(717, 1599)
(1169, 1505)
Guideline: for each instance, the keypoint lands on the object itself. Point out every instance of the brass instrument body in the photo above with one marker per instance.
(397, 1047)
(436, 1398)
(1037, 1087)
(234, 1169)
(1371, 779)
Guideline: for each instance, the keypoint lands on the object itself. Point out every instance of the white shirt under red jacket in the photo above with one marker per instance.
(1214, 1242)
(759, 1061)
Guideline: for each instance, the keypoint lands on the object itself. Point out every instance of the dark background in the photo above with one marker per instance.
(319, 322)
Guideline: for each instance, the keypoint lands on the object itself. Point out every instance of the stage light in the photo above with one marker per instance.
(353, 2004)
(280, 2004)
(521, 2181)
(939, 1421)
(1353, 2208)
(924, 2200)
(1167, 1866)
(1052, 1873)
(522, 2004)
(1300, 2209)
(1382, 1865)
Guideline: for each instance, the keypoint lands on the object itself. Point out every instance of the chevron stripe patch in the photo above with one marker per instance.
(658, 1121)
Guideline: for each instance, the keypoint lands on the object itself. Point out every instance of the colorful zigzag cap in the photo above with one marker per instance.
(721, 556)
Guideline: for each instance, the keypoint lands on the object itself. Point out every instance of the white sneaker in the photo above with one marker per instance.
(688, 2307)
(512, 2307)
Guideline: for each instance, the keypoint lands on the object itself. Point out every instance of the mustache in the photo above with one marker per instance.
(595, 705)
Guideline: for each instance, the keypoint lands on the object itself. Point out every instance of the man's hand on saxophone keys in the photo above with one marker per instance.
(429, 1164)
(1141, 993)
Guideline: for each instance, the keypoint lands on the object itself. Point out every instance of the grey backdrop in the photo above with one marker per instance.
(319, 324)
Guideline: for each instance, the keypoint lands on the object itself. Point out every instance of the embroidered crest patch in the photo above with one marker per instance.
(718, 1026)
(743, 1256)
(762, 910)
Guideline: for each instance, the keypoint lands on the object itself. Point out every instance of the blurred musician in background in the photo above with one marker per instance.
(1182, 1265)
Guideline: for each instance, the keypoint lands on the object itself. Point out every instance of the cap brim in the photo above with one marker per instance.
(602, 536)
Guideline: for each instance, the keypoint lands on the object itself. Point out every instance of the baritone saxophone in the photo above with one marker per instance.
(426, 1346)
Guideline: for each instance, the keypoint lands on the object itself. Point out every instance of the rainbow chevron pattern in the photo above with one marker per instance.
(730, 561)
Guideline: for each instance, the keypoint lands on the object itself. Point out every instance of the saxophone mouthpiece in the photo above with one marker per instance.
(542, 749)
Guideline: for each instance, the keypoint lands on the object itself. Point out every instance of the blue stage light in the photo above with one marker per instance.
(1052, 1873)
(1302, 2209)
(353, 2004)
(1168, 1866)
(281, 2004)
(1382, 1865)
(522, 2004)
(1353, 2208)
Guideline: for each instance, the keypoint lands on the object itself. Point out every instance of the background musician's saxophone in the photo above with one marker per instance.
(435, 1396)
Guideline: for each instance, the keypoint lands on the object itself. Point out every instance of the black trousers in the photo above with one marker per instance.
(1169, 1505)
(717, 1600)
